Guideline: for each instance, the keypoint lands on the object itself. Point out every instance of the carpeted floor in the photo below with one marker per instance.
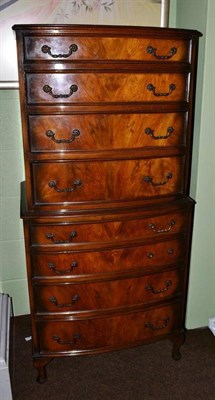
(142, 373)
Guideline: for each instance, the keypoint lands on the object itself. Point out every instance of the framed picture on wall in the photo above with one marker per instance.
(102, 12)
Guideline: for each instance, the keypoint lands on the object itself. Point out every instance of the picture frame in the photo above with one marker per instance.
(103, 12)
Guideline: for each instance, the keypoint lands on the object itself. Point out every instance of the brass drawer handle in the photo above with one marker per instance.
(55, 302)
(51, 237)
(47, 50)
(153, 50)
(157, 328)
(149, 179)
(75, 133)
(152, 89)
(150, 132)
(48, 89)
(76, 183)
(63, 271)
(168, 283)
(162, 230)
(72, 341)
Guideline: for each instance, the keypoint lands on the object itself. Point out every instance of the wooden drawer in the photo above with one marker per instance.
(105, 48)
(78, 263)
(105, 87)
(89, 335)
(67, 233)
(105, 131)
(68, 182)
(71, 297)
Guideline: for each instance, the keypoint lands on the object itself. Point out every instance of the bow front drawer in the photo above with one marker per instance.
(69, 182)
(87, 233)
(71, 297)
(76, 263)
(117, 331)
(105, 48)
(105, 131)
(105, 87)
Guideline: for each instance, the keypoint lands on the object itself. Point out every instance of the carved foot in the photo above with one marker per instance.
(40, 365)
(177, 341)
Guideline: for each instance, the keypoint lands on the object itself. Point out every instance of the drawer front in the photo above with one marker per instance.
(105, 87)
(154, 226)
(104, 48)
(105, 131)
(104, 295)
(76, 263)
(113, 332)
(68, 182)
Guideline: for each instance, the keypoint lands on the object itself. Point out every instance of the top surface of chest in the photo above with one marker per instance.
(107, 43)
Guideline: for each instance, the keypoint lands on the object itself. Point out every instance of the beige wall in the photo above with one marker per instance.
(201, 298)
(13, 274)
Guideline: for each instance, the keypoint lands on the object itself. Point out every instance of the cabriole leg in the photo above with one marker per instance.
(178, 341)
(40, 364)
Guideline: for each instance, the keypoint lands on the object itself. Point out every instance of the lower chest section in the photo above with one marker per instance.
(97, 285)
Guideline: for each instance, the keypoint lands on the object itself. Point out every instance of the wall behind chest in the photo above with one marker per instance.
(202, 276)
(13, 275)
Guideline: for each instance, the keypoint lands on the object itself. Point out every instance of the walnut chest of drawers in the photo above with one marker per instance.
(107, 117)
